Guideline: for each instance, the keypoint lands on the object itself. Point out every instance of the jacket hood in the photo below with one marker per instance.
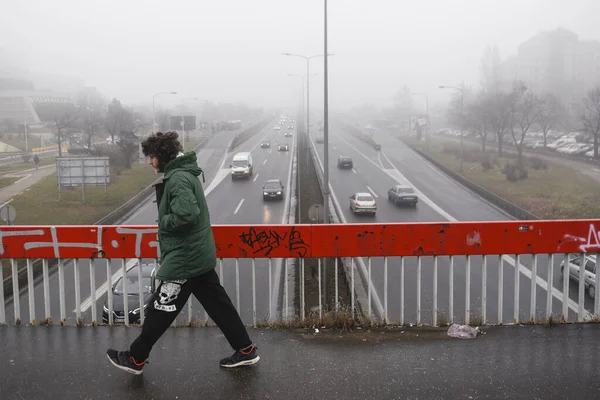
(184, 161)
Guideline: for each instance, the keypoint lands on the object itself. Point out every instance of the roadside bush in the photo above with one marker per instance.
(537, 163)
(515, 172)
(489, 161)
(510, 170)
(116, 157)
(523, 174)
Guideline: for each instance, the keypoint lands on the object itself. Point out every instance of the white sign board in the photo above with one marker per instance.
(82, 171)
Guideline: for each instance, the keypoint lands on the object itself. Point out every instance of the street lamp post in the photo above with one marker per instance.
(426, 114)
(153, 112)
(307, 84)
(462, 121)
(326, 192)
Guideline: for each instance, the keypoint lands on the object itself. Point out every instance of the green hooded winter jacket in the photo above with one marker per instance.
(186, 241)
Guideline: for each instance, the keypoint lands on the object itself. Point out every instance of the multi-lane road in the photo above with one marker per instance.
(229, 202)
(241, 202)
(441, 200)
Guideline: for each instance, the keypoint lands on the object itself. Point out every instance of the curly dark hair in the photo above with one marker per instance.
(163, 146)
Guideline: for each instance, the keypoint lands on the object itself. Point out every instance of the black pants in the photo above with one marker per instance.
(170, 298)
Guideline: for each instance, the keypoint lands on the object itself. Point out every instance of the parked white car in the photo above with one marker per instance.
(560, 143)
(589, 281)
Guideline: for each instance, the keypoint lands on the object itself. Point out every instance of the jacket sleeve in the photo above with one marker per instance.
(184, 206)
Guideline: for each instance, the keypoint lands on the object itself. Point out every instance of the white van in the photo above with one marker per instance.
(241, 166)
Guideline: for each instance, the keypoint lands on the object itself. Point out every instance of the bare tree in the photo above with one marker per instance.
(550, 113)
(61, 125)
(479, 117)
(524, 112)
(116, 119)
(92, 105)
(129, 146)
(590, 116)
(500, 106)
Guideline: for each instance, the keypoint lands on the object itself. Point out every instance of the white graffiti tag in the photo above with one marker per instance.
(591, 243)
(169, 291)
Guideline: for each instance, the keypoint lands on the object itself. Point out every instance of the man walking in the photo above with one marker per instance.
(187, 260)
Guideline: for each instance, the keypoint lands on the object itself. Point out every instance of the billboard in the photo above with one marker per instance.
(189, 120)
(82, 171)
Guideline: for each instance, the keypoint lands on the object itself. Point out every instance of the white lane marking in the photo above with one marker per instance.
(238, 207)
(334, 148)
(87, 303)
(379, 159)
(6, 203)
(22, 179)
(372, 192)
(255, 178)
(270, 151)
(221, 175)
(353, 170)
(264, 162)
(400, 178)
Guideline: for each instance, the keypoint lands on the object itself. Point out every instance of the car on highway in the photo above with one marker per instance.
(277, 128)
(266, 144)
(288, 134)
(284, 147)
(363, 203)
(320, 139)
(273, 190)
(403, 194)
(345, 162)
(133, 295)
(591, 268)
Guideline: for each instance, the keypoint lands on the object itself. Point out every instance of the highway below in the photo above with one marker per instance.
(230, 202)
(441, 199)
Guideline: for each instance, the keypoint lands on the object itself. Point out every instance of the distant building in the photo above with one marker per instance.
(35, 107)
(556, 62)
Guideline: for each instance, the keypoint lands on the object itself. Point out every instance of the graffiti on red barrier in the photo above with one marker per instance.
(267, 240)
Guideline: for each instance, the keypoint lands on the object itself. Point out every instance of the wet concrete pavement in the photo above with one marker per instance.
(522, 362)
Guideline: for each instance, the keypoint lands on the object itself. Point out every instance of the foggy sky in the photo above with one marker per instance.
(230, 50)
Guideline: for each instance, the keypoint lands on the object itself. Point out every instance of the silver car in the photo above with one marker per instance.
(363, 203)
(589, 273)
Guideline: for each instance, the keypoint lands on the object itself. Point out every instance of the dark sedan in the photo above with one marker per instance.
(265, 145)
(133, 295)
(273, 189)
(284, 147)
(345, 162)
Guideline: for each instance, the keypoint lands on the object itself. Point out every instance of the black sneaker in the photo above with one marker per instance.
(241, 358)
(122, 360)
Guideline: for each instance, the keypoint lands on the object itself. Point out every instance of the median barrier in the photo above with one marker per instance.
(248, 133)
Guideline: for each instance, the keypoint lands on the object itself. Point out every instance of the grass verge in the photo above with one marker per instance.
(4, 182)
(40, 204)
(552, 191)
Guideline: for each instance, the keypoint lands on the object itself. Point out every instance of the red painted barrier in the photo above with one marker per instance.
(292, 241)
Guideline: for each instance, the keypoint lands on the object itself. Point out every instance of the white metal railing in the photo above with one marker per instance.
(428, 290)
